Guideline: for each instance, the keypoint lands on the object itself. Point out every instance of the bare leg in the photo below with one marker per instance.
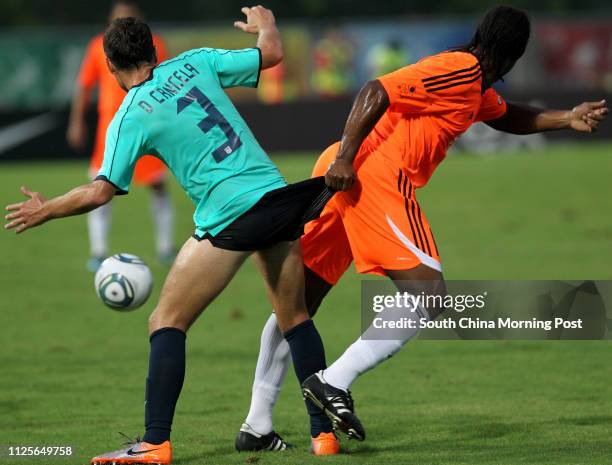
(198, 275)
(283, 272)
(420, 279)
(316, 289)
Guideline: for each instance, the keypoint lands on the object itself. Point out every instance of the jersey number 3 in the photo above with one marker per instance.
(214, 118)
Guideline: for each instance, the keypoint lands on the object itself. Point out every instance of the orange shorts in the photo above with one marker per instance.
(149, 169)
(378, 223)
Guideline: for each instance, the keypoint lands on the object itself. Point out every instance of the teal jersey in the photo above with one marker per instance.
(182, 115)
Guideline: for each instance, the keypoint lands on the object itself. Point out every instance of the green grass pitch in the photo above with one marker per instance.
(73, 371)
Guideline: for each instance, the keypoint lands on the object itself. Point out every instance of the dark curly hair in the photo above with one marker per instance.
(128, 42)
(500, 39)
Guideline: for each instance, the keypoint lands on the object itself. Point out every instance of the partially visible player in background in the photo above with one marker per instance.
(150, 171)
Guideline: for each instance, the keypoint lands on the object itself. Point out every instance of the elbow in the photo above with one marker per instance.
(369, 89)
(374, 90)
(272, 56)
(100, 199)
(278, 56)
(374, 98)
(102, 194)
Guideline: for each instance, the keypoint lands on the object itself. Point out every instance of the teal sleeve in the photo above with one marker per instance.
(234, 67)
(123, 147)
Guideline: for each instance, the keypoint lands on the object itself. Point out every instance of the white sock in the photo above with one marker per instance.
(272, 363)
(163, 217)
(98, 225)
(365, 354)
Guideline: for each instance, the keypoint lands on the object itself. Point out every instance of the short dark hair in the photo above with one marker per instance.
(501, 36)
(128, 42)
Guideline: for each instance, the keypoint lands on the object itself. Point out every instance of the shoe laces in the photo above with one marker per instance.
(130, 441)
(349, 401)
(344, 397)
(280, 439)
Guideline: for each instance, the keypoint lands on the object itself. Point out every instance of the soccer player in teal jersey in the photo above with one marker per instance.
(179, 112)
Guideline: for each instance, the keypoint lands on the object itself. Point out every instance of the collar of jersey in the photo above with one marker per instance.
(146, 80)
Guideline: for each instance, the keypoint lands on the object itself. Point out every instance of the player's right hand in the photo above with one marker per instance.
(27, 214)
(257, 19)
(77, 135)
(340, 175)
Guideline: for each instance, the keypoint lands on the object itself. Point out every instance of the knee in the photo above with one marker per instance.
(154, 321)
(163, 318)
(287, 320)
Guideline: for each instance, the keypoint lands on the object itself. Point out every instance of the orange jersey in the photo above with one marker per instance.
(94, 70)
(432, 102)
(378, 223)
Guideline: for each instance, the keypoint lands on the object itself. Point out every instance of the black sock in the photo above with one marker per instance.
(164, 383)
(309, 357)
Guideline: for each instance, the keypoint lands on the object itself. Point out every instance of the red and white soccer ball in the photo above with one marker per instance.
(123, 282)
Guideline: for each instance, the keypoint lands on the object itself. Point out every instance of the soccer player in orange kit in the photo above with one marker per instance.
(397, 133)
(150, 171)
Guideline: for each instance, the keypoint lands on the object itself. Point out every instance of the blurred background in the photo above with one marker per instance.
(332, 48)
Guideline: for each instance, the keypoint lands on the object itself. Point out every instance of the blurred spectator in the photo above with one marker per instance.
(386, 57)
(332, 75)
(576, 53)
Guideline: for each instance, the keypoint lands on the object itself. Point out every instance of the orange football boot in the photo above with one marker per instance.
(325, 444)
(138, 453)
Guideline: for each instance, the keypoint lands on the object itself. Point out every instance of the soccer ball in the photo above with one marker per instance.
(123, 282)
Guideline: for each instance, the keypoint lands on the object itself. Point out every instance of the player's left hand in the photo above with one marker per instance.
(341, 175)
(26, 214)
(258, 18)
(587, 116)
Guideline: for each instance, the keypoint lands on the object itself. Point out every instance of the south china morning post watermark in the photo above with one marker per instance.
(417, 304)
(487, 310)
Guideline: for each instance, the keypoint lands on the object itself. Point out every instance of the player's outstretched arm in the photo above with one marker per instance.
(260, 21)
(524, 119)
(370, 104)
(36, 210)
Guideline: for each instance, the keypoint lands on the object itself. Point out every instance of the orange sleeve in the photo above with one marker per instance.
(405, 90)
(493, 106)
(160, 46)
(89, 73)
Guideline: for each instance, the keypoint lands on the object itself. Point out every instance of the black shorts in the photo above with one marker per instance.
(280, 215)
